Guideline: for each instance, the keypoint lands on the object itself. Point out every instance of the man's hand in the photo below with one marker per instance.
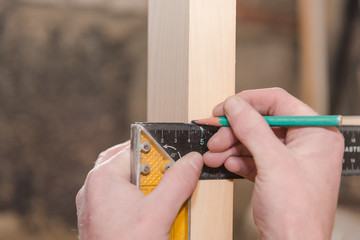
(296, 170)
(110, 207)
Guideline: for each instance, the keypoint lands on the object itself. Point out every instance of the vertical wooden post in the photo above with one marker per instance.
(313, 64)
(191, 68)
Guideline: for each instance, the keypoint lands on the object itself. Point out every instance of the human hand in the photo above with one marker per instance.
(110, 207)
(296, 170)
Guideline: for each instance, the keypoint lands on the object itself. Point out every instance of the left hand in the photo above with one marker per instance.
(110, 207)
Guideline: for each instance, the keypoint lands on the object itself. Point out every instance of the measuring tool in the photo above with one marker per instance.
(156, 146)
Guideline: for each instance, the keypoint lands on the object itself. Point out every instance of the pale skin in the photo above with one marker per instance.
(296, 174)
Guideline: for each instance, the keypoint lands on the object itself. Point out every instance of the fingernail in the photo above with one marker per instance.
(195, 159)
(233, 105)
(217, 109)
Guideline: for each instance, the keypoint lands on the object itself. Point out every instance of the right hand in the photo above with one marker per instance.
(296, 170)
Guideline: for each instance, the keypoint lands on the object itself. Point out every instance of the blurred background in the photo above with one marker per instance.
(73, 79)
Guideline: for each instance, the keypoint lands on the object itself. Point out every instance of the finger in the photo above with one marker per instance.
(243, 166)
(222, 140)
(276, 102)
(251, 129)
(217, 159)
(79, 200)
(272, 102)
(175, 187)
(225, 138)
(218, 110)
(280, 132)
(107, 154)
(118, 165)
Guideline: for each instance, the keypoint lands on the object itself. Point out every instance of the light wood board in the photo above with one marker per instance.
(191, 68)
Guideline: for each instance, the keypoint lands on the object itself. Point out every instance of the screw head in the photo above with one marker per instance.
(146, 146)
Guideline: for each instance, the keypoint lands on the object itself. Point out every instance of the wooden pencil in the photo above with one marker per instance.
(291, 121)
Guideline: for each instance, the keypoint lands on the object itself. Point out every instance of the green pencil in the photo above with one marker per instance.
(292, 121)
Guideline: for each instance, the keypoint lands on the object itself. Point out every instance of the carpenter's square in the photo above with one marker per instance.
(156, 146)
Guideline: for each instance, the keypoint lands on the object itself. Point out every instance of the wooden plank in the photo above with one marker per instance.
(313, 54)
(191, 68)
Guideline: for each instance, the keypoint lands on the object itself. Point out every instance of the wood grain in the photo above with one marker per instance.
(191, 68)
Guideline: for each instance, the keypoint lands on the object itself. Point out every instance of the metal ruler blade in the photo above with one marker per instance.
(178, 139)
(351, 159)
(156, 146)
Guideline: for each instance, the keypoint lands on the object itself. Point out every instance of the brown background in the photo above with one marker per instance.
(73, 78)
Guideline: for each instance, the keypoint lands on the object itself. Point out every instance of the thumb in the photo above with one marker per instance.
(175, 187)
(252, 130)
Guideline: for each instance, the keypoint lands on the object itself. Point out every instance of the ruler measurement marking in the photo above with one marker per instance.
(162, 136)
(192, 138)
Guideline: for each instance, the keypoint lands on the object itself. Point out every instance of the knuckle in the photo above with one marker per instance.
(244, 92)
(93, 184)
(102, 154)
(274, 90)
(281, 93)
(336, 138)
(79, 197)
(279, 90)
(334, 144)
(93, 177)
(339, 140)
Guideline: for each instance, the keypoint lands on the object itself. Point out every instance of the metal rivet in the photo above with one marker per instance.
(145, 169)
(146, 146)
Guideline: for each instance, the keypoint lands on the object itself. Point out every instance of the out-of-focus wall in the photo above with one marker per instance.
(72, 79)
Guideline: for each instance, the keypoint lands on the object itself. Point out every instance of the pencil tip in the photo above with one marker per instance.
(207, 121)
